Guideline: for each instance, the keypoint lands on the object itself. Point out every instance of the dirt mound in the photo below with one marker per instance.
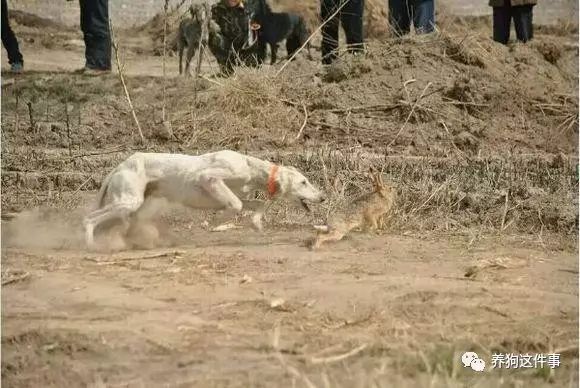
(26, 19)
(440, 95)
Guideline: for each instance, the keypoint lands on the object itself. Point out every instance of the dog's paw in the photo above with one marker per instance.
(257, 223)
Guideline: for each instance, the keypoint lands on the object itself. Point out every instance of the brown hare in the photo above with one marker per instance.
(366, 212)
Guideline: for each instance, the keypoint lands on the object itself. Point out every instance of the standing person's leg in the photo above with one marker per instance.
(424, 16)
(329, 31)
(523, 22)
(10, 42)
(400, 16)
(351, 17)
(501, 24)
(95, 27)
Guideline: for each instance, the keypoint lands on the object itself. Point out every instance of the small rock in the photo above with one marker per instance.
(277, 303)
(246, 279)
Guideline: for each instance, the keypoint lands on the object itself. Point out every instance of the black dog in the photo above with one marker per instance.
(274, 27)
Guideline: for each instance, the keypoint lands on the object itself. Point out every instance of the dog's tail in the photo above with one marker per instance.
(103, 191)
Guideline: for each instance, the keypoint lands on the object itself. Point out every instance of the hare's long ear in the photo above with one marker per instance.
(372, 174)
(380, 179)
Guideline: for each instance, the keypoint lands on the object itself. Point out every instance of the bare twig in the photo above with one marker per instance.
(310, 37)
(409, 115)
(289, 368)
(132, 258)
(16, 278)
(120, 148)
(432, 195)
(451, 139)
(17, 118)
(31, 116)
(338, 357)
(165, 6)
(304, 123)
(69, 202)
(68, 134)
(122, 78)
(505, 210)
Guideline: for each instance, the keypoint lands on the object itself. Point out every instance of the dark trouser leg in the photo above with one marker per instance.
(424, 16)
(523, 22)
(95, 27)
(501, 24)
(352, 21)
(329, 31)
(221, 50)
(8, 39)
(400, 16)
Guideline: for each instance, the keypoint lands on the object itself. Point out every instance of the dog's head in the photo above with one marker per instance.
(293, 185)
(254, 14)
(198, 12)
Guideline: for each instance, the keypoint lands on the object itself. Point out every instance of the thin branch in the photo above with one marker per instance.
(165, 6)
(310, 38)
(409, 115)
(17, 278)
(120, 70)
(304, 123)
(339, 357)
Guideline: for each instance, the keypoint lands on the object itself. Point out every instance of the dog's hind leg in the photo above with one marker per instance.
(121, 211)
(334, 234)
(189, 55)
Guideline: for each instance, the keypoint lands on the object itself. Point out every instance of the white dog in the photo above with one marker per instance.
(210, 181)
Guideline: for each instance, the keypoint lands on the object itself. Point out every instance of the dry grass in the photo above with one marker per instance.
(447, 98)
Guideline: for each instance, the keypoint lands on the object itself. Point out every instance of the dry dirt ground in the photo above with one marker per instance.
(480, 139)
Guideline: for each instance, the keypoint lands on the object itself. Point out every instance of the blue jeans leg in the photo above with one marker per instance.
(522, 16)
(424, 16)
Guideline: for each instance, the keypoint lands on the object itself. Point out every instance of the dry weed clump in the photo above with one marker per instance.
(463, 50)
(253, 111)
(530, 196)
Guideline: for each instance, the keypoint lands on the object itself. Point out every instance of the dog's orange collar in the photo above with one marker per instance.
(272, 180)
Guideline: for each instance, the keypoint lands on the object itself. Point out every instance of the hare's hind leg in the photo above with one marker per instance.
(370, 222)
(335, 234)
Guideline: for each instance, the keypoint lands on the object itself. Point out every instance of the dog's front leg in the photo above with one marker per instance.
(258, 207)
(273, 53)
(218, 190)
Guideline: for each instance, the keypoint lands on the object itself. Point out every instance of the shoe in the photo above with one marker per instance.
(90, 71)
(17, 67)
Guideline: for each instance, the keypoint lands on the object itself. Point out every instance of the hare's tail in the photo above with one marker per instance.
(322, 228)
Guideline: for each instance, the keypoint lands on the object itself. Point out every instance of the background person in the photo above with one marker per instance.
(419, 12)
(10, 42)
(96, 34)
(351, 18)
(521, 11)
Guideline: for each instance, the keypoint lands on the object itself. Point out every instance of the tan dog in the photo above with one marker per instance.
(366, 213)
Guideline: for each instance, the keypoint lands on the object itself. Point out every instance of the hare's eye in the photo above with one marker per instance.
(304, 183)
